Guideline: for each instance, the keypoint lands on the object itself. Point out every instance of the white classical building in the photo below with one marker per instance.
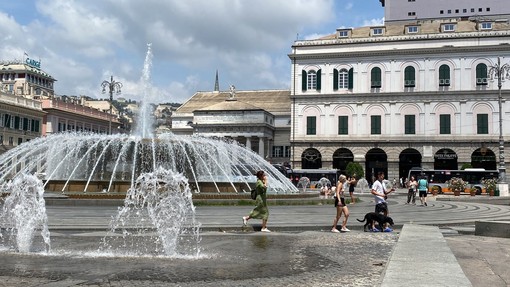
(401, 95)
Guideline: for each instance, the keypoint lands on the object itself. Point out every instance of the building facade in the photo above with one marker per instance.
(411, 10)
(21, 120)
(401, 95)
(259, 120)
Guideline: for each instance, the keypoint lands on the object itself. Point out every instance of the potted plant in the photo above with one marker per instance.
(435, 190)
(472, 191)
(490, 185)
(457, 184)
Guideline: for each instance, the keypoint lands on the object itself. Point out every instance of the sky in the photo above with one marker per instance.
(82, 43)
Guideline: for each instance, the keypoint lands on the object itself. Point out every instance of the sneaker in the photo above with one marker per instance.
(425, 204)
(334, 230)
(245, 220)
(387, 229)
(375, 230)
(344, 229)
(265, 230)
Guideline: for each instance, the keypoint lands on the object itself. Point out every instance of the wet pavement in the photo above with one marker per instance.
(299, 252)
(309, 258)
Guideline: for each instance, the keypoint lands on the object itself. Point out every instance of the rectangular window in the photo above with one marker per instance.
(444, 124)
(464, 10)
(449, 28)
(441, 12)
(472, 10)
(277, 151)
(343, 34)
(411, 13)
(412, 29)
(2, 120)
(482, 124)
(486, 26)
(375, 125)
(311, 125)
(343, 125)
(286, 151)
(410, 125)
(20, 141)
(11, 141)
(377, 31)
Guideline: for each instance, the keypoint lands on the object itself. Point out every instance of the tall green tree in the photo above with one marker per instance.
(355, 168)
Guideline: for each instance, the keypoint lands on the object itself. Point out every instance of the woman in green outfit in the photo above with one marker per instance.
(260, 211)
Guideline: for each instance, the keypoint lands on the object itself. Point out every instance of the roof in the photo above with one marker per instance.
(273, 101)
(426, 27)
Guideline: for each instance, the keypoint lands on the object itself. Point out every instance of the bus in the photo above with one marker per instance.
(439, 178)
(314, 175)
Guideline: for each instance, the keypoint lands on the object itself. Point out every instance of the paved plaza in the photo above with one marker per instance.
(299, 252)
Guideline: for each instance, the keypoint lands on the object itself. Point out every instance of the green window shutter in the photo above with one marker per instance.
(16, 122)
(375, 125)
(311, 124)
(36, 129)
(410, 125)
(481, 74)
(319, 72)
(25, 124)
(351, 78)
(304, 80)
(409, 76)
(444, 75)
(343, 125)
(375, 75)
(444, 124)
(482, 123)
(335, 79)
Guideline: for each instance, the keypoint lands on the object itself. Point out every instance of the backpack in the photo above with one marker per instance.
(254, 194)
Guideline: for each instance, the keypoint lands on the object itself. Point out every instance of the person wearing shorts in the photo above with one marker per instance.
(422, 190)
(380, 195)
(340, 205)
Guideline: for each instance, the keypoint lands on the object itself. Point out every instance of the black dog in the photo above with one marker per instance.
(372, 217)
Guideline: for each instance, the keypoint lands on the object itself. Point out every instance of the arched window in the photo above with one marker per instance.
(481, 74)
(375, 78)
(409, 77)
(340, 79)
(444, 75)
(311, 80)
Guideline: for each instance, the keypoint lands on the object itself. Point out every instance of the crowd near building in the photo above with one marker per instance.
(419, 90)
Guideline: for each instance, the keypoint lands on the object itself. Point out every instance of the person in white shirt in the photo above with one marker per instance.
(380, 194)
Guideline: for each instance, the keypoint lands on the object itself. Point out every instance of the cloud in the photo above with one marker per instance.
(81, 43)
(374, 22)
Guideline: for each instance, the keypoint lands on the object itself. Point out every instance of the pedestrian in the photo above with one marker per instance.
(411, 192)
(352, 183)
(260, 211)
(380, 194)
(340, 205)
(423, 186)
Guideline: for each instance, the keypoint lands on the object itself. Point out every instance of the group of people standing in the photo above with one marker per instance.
(421, 186)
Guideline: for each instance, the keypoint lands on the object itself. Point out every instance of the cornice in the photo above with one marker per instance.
(399, 52)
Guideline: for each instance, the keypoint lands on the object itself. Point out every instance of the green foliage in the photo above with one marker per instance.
(355, 168)
(466, 165)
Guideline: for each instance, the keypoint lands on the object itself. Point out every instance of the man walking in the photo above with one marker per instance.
(380, 195)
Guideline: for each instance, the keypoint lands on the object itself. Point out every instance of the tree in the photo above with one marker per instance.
(355, 168)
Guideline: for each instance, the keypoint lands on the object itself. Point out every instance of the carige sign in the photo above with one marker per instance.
(33, 63)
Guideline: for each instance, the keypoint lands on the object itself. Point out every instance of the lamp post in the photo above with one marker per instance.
(500, 72)
(112, 86)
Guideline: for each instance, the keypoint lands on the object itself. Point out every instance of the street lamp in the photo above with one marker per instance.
(500, 72)
(112, 86)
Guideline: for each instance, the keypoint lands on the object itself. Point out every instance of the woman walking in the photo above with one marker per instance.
(340, 205)
(260, 211)
(411, 193)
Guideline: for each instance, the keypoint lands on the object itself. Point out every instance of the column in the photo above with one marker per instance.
(261, 147)
(248, 143)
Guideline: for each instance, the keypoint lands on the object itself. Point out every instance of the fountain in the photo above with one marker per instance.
(86, 162)
(23, 213)
(155, 174)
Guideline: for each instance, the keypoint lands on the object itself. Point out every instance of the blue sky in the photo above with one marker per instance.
(82, 43)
